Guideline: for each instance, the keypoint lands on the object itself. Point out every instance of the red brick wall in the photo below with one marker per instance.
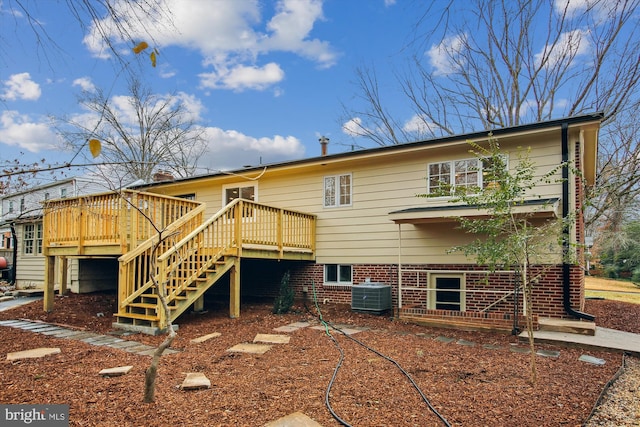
(547, 298)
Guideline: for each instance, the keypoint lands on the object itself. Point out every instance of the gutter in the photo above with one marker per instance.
(566, 267)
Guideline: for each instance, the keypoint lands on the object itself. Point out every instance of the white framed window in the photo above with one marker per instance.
(63, 193)
(444, 178)
(447, 292)
(239, 191)
(338, 275)
(10, 206)
(33, 239)
(337, 190)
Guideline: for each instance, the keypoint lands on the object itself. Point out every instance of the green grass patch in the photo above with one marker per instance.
(633, 298)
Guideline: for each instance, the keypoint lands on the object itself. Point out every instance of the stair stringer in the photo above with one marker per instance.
(212, 277)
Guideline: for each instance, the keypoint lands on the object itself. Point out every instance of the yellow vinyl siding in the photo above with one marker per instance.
(363, 232)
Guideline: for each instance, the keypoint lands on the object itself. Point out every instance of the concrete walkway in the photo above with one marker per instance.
(84, 336)
(603, 339)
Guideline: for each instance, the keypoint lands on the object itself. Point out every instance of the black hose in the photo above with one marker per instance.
(327, 325)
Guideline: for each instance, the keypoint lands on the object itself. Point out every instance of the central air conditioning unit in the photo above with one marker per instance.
(371, 297)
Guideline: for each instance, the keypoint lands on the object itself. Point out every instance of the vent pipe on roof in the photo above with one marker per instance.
(324, 141)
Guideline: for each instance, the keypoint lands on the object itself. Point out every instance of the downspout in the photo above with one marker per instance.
(566, 230)
(14, 237)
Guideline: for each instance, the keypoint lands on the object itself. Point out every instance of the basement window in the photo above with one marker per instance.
(338, 275)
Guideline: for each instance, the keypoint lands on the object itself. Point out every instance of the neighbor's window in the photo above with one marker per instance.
(22, 205)
(10, 206)
(337, 190)
(63, 192)
(33, 239)
(338, 274)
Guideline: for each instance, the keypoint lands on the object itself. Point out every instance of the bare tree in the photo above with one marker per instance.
(108, 21)
(140, 133)
(497, 63)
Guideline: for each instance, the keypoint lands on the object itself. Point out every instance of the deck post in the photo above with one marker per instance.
(62, 275)
(198, 305)
(49, 279)
(234, 289)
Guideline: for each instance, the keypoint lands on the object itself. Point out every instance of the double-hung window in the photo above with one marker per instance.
(446, 178)
(337, 190)
(33, 239)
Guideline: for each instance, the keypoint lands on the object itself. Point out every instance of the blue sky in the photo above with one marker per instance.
(266, 78)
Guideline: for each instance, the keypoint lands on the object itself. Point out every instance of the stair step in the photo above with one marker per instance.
(138, 316)
(147, 305)
(568, 326)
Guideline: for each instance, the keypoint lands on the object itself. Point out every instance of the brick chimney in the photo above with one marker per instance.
(162, 175)
(324, 141)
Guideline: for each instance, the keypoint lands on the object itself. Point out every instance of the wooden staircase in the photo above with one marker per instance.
(185, 269)
(145, 313)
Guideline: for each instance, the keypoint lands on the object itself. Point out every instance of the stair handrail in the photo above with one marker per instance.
(126, 290)
(170, 260)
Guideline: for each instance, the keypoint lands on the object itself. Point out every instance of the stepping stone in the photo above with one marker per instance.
(43, 328)
(56, 330)
(287, 328)
(521, 350)
(115, 372)
(149, 352)
(33, 354)
(106, 341)
(195, 381)
(30, 326)
(592, 360)
(346, 330)
(492, 347)
(139, 348)
(296, 419)
(300, 325)
(272, 339)
(122, 345)
(12, 323)
(71, 334)
(445, 340)
(250, 348)
(548, 353)
(7, 298)
(466, 343)
(205, 337)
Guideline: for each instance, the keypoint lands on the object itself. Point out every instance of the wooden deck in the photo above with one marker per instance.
(166, 243)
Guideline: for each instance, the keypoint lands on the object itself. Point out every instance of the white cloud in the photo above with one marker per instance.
(570, 45)
(388, 3)
(290, 27)
(20, 86)
(18, 130)
(600, 10)
(445, 57)
(419, 126)
(353, 127)
(232, 36)
(243, 77)
(230, 149)
(85, 84)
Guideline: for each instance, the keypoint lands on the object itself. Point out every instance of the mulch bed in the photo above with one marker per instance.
(467, 385)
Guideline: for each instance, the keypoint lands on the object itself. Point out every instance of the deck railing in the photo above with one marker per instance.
(121, 219)
(240, 224)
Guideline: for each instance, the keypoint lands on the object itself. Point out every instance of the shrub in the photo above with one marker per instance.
(284, 300)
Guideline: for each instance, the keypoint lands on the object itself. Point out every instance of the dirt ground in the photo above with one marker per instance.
(484, 384)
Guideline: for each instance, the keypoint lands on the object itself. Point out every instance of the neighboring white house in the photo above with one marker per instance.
(23, 210)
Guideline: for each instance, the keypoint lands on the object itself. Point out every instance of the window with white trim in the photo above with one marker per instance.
(447, 292)
(33, 239)
(337, 190)
(446, 178)
(233, 192)
(338, 275)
